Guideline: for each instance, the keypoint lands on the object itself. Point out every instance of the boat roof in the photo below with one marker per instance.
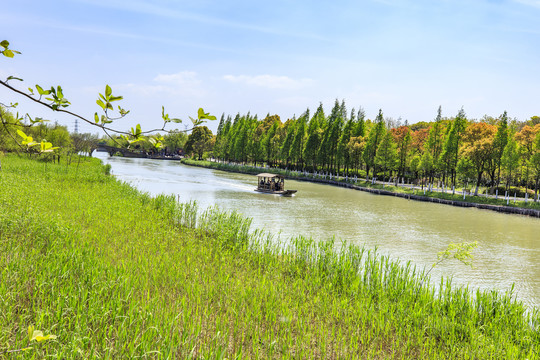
(268, 175)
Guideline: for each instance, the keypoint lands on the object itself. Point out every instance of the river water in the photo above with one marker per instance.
(508, 245)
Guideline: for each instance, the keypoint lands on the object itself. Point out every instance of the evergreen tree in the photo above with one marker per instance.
(360, 127)
(499, 143)
(299, 139)
(269, 144)
(426, 164)
(450, 151)
(285, 149)
(403, 139)
(342, 149)
(386, 157)
(510, 158)
(374, 138)
(313, 141)
(327, 150)
(435, 142)
(356, 148)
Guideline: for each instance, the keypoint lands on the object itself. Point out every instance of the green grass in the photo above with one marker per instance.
(530, 204)
(115, 273)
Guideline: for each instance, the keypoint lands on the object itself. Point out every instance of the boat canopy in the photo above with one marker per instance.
(268, 175)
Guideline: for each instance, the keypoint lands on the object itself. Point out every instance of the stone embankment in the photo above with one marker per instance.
(498, 208)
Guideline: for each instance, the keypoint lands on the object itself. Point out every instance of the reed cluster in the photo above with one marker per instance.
(116, 273)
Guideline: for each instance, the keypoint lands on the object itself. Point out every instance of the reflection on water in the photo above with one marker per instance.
(509, 245)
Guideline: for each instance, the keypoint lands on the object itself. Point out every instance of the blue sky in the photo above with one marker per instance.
(404, 57)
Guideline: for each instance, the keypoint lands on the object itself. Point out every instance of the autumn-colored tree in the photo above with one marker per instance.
(478, 147)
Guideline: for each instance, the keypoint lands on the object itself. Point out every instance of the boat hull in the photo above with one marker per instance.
(280, 192)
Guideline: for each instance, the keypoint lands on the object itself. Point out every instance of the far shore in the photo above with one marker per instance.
(406, 195)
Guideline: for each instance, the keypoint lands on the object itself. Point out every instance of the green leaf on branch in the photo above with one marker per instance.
(100, 103)
(22, 134)
(156, 142)
(137, 131)
(105, 101)
(164, 116)
(7, 52)
(115, 98)
(196, 122)
(122, 112)
(204, 116)
(27, 140)
(201, 117)
(13, 78)
(47, 147)
(105, 120)
(41, 91)
(37, 120)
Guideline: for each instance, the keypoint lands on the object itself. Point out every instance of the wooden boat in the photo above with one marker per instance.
(272, 184)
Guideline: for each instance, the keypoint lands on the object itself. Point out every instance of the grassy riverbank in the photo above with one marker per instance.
(362, 184)
(115, 273)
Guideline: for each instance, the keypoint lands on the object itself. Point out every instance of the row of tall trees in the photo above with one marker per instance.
(452, 150)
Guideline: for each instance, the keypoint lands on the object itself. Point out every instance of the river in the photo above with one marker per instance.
(508, 245)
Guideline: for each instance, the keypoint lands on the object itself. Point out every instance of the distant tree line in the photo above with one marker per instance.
(67, 143)
(494, 152)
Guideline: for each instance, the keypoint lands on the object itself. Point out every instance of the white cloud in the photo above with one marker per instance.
(183, 83)
(182, 78)
(268, 81)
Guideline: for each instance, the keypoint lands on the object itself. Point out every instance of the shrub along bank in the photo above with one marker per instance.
(115, 273)
(510, 206)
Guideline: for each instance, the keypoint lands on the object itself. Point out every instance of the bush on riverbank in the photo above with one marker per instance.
(436, 193)
(115, 273)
